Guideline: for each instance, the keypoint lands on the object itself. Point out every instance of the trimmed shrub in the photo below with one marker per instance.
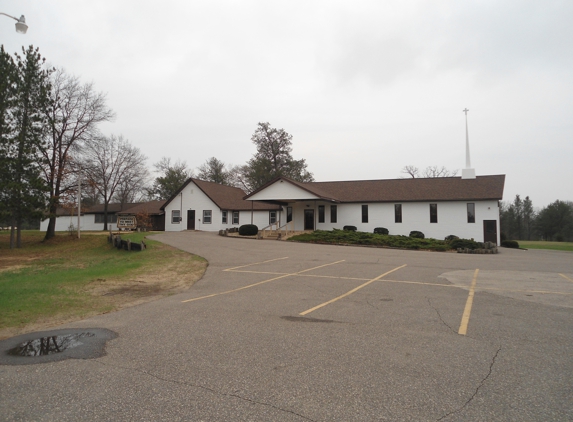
(417, 235)
(451, 238)
(248, 230)
(510, 244)
(381, 230)
(464, 244)
(350, 228)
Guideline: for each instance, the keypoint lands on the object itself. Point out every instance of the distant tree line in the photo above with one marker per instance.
(520, 221)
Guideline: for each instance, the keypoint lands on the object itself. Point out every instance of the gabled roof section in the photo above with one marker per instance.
(151, 207)
(405, 190)
(225, 197)
(314, 191)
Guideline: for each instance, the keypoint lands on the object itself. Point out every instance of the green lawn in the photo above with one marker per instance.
(68, 278)
(538, 244)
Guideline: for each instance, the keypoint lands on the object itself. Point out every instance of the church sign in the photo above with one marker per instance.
(126, 222)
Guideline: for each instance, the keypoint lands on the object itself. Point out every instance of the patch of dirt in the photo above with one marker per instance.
(176, 276)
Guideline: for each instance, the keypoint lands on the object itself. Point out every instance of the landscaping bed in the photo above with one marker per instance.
(415, 242)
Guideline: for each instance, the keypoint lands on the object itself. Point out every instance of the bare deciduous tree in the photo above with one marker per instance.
(108, 162)
(75, 111)
(430, 171)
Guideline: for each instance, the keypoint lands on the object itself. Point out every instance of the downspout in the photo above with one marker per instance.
(181, 210)
(252, 206)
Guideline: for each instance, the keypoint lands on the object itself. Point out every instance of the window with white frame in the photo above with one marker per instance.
(321, 213)
(333, 214)
(272, 217)
(471, 212)
(175, 216)
(235, 217)
(397, 213)
(365, 213)
(224, 217)
(206, 216)
(99, 218)
(433, 213)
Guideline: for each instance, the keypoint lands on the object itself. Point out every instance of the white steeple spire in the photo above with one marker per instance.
(468, 172)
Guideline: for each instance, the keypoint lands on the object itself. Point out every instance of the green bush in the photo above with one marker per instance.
(350, 228)
(248, 230)
(346, 237)
(464, 244)
(510, 244)
(417, 235)
(381, 230)
(451, 238)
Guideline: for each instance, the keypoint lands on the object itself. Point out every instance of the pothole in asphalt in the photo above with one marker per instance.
(48, 345)
(56, 345)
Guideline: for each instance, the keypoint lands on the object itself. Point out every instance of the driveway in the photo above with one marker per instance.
(278, 331)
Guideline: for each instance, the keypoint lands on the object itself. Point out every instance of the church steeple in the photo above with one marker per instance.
(468, 172)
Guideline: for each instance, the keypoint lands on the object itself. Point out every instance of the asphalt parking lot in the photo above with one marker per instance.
(277, 331)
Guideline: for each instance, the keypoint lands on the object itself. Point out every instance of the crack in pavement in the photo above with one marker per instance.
(211, 390)
(477, 389)
(440, 316)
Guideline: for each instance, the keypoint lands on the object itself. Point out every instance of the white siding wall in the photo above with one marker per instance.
(87, 222)
(282, 190)
(452, 218)
(193, 198)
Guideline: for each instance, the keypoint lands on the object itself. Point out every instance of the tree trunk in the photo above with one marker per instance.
(19, 233)
(12, 233)
(105, 215)
(51, 230)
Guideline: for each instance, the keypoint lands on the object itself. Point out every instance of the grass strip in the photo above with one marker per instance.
(67, 278)
(538, 244)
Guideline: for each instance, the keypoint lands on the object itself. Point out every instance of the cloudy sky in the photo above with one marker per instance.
(364, 87)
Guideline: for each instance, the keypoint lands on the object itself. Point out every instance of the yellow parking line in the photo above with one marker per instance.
(259, 283)
(349, 292)
(481, 289)
(301, 275)
(565, 277)
(468, 309)
(255, 263)
(419, 282)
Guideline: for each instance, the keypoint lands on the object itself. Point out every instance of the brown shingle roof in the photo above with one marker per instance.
(111, 208)
(406, 190)
(225, 197)
(151, 207)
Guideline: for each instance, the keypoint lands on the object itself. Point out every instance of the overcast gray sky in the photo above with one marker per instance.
(364, 87)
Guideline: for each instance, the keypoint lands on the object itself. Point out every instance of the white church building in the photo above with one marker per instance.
(467, 206)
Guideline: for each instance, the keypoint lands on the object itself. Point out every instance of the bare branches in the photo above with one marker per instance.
(110, 163)
(429, 172)
(75, 111)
